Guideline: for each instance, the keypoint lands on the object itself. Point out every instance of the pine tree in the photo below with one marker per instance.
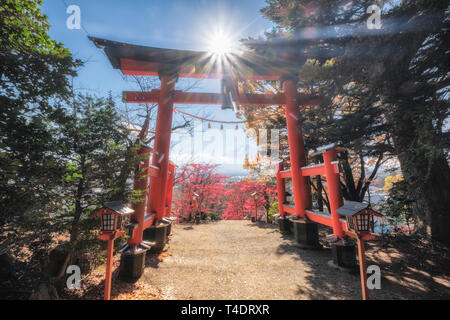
(34, 72)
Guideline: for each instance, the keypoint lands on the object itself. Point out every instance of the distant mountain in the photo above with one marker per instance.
(232, 170)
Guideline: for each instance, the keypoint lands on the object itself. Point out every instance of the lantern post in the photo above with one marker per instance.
(111, 219)
(362, 268)
(108, 275)
(360, 220)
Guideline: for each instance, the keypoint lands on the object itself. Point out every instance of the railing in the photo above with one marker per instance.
(330, 170)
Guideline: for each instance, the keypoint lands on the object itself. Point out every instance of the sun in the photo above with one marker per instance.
(220, 43)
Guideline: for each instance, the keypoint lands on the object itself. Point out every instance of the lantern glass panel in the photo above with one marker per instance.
(365, 222)
(371, 223)
(108, 222)
(350, 224)
(119, 222)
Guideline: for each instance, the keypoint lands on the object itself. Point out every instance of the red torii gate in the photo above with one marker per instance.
(169, 65)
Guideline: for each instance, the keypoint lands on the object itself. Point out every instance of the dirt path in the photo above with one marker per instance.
(243, 260)
(240, 260)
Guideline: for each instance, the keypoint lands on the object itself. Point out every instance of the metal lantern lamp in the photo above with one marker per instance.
(360, 218)
(111, 224)
(360, 221)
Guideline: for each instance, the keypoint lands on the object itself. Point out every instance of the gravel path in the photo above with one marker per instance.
(244, 260)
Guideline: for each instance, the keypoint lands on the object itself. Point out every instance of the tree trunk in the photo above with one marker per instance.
(418, 143)
(74, 232)
(319, 191)
(425, 169)
(429, 183)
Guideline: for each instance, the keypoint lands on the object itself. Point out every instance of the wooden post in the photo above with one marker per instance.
(256, 209)
(333, 191)
(195, 209)
(281, 190)
(109, 261)
(362, 268)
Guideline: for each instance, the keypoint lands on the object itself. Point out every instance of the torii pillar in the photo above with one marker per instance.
(162, 145)
(302, 192)
(305, 231)
(157, 200)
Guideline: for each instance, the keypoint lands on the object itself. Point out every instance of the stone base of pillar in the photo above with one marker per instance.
(285, 225)
(306, 234)
(132, 262)
(158, 236)
(169, 222)
(344, 257)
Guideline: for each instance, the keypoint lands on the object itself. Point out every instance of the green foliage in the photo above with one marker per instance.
(273, 210)
(60, 156)
(137, 196)
(33, 67)
(398, 206)
(34, 71)
(91, 145)
(213, 216)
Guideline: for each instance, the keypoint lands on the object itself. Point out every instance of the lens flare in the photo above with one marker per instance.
(220, 43)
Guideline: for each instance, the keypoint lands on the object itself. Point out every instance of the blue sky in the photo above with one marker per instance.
(181, 24)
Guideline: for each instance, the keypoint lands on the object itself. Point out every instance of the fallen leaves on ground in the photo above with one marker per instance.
(93, 286)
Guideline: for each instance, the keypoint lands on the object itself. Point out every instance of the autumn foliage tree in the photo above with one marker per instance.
(199, 181)
(241, 199)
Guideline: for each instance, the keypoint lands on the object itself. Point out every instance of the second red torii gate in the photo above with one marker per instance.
(169, 65)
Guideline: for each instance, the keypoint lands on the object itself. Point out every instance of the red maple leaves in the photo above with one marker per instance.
(241, 199)
(202, 191)
(198, 189)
